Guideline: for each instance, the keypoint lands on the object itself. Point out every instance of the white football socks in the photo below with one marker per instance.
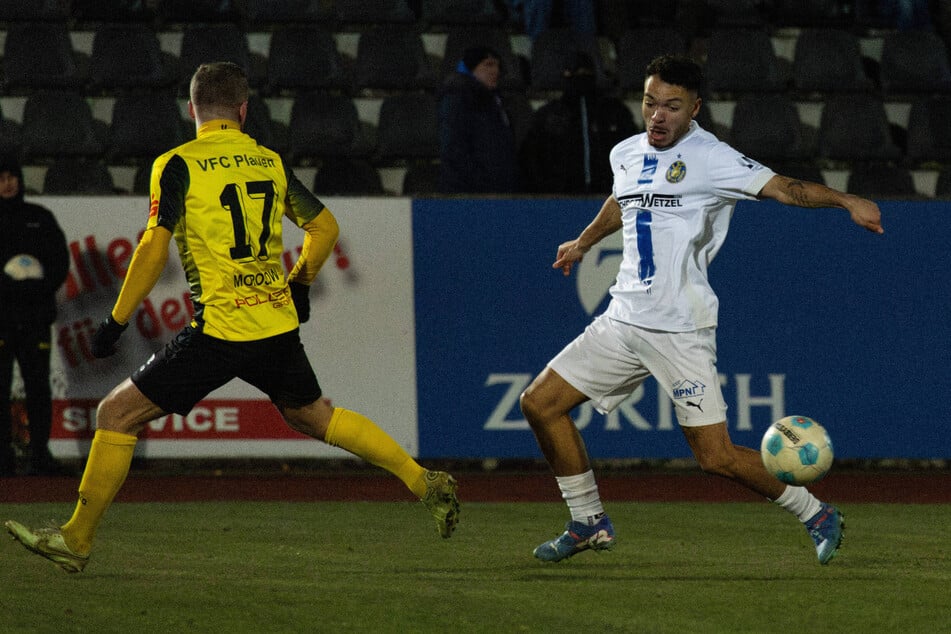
(581, 494)
(799, 502)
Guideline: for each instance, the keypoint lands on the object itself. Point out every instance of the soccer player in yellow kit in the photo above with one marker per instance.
(222, 197)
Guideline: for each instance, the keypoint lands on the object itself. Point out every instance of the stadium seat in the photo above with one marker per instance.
(11, 140)
(408, 127)
(442, 13)
(192, 11)
(263, 14)
(881, 181)
(112, 11)
(263, 128)
(41, 55)
(60, 123)
(742, 61)
(392, 58)
(767, 127)
(33, 10)
(552, 51)
(129, 56)
(943, 186)
(855, 127)
(69, 176)
(304, 57)
(929, 130)
(459, 38)
(347, 177)
(142, 179)
(617, 17)
(637, 47)
(914, 62)
(145, 125)
(221, 42)
(324, 124)
(377, 12)
(812, 13)
(421, 178)
(828, 60)
(738, 14)
(798, 170)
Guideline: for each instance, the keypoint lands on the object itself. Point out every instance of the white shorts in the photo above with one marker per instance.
(610, 359)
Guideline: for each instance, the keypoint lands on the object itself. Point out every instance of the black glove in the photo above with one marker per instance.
(106, 337)
(300, 293)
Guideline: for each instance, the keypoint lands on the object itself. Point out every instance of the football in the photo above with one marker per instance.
(797, 450)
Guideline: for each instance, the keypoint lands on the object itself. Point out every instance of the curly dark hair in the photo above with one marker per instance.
(678, 70)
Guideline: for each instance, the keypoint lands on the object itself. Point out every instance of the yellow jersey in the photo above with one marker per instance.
(222, 196)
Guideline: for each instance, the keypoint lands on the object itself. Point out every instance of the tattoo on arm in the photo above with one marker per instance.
(797, 191)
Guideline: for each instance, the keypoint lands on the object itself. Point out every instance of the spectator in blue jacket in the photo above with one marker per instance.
(477, 143)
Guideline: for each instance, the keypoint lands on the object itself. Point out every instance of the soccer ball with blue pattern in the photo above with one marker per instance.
(797, 450)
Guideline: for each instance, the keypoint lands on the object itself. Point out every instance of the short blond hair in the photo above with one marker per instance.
(218, 89)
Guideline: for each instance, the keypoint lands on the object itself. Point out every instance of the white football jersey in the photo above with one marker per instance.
(676, 205)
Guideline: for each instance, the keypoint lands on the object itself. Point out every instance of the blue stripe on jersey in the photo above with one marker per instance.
(645, 246)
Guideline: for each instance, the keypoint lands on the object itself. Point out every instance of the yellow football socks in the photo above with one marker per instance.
(106, 469)
(363, 438)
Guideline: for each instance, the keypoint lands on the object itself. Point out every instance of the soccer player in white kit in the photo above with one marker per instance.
(675, 187)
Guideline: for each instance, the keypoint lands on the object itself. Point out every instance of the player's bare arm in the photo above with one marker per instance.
(604, 224)
(790, 191)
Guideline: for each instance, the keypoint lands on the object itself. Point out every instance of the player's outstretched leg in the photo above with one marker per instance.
(577, 537)
(827, 529)
(48, 543)
(365, 439)
(441, 501)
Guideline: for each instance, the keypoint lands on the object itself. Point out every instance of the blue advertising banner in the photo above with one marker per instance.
(817, 317)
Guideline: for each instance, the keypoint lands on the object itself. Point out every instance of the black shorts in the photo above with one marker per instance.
(193, 364)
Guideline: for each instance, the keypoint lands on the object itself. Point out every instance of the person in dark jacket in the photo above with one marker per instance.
(569, 137)
(35, 261)
(477, 143)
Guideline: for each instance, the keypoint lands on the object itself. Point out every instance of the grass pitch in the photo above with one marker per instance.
(381, 567)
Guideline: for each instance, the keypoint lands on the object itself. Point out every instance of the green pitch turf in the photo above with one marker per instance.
(381, 567)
